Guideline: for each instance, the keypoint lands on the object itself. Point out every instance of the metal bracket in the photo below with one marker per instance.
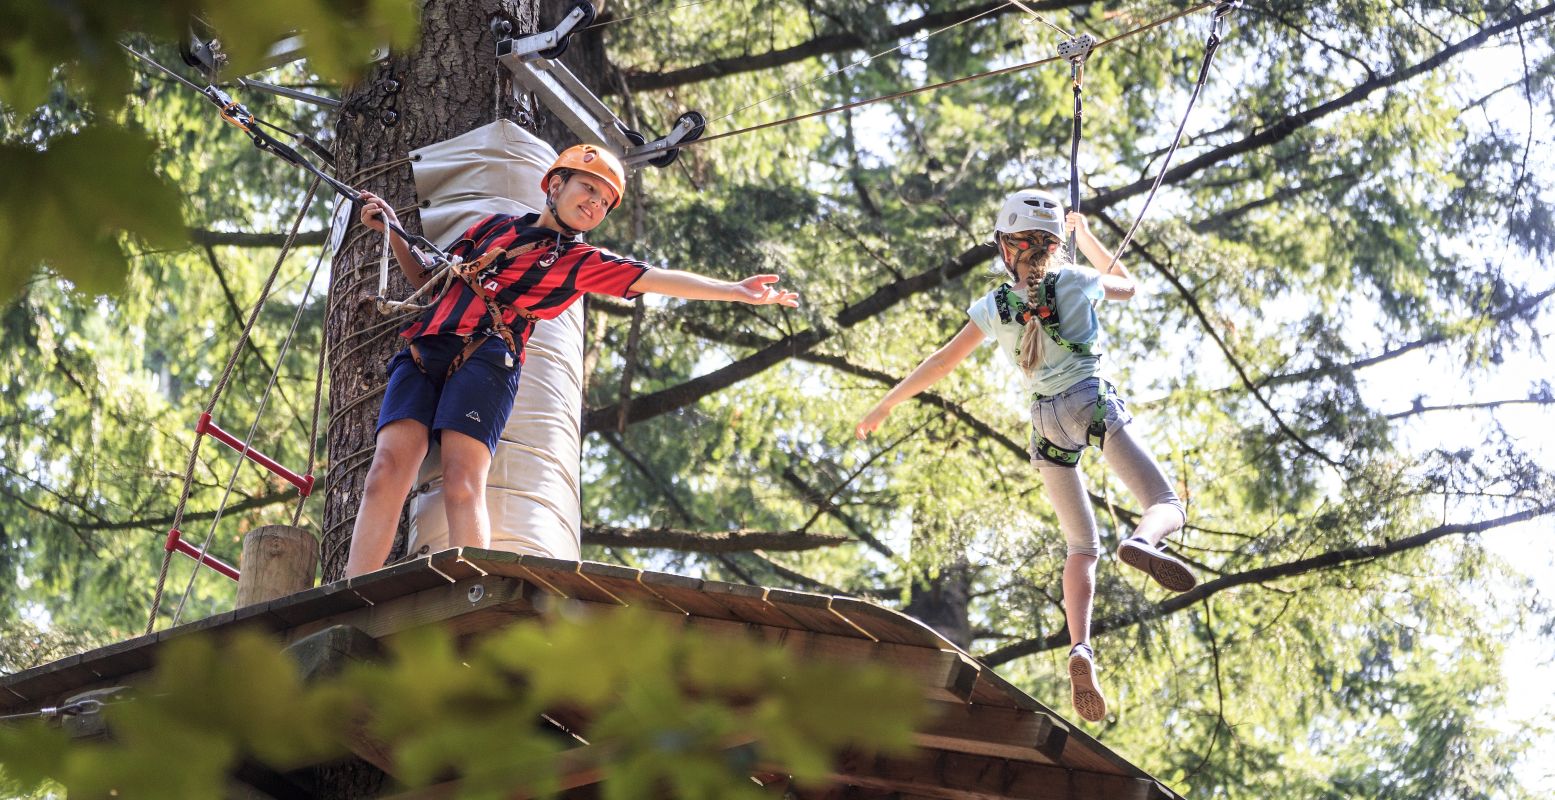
(1225, 7)
(1077, 49)
(532, 61)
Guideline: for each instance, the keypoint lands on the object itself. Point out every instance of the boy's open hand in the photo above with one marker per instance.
(758, 290)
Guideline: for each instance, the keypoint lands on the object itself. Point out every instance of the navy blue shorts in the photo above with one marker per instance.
(475, 401)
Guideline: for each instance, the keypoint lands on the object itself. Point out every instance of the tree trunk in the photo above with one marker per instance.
(450, 84)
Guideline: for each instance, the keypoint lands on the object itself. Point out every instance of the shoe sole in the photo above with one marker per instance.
(1087, 697)
(1167, 571)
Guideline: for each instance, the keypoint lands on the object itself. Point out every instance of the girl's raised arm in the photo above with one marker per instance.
(927, 374)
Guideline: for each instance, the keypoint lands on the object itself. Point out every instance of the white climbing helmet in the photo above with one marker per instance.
(1031, 210)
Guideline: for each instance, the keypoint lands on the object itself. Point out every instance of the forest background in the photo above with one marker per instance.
(1339, 361)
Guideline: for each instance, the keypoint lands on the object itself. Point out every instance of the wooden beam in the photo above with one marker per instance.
(957, 776)
(995, 732)
(944, 675)
(469, 605)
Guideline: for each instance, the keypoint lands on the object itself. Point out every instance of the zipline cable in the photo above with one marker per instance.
(1211, 44)
(943, 84)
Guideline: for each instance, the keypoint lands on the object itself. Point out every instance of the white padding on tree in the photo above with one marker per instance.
(532, 490)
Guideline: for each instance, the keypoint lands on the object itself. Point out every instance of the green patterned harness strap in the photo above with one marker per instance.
(1095, 433)
(1045, 310)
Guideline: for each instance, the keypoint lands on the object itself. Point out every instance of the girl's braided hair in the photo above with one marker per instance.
(1038, 261)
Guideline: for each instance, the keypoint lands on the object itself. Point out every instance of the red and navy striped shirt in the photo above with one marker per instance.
(521, 280)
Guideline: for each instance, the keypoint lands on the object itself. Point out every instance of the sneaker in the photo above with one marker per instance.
(1153, 561)
(1086, 694)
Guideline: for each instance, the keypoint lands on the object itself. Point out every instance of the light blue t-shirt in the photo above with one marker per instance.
(1077, 289)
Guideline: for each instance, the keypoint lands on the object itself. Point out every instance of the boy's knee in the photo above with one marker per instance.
(462, 488)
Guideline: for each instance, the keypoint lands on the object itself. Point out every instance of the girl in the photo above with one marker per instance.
(459, 375)
(1048, 327)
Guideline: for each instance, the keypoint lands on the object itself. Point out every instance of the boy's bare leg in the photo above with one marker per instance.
(466, 461)
(402, 444)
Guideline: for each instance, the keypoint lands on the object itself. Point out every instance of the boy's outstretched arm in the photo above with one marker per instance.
(933, 368)
(757, 290)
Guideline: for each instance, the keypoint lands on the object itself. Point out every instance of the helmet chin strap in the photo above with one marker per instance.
(550, 205)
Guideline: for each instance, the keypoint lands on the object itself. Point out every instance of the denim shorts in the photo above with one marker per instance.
(1064, 417)
(475, 401)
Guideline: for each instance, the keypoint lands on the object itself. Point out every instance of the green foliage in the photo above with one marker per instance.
(1409, 224)
(67, 207)
(671, 710)
(68, 201)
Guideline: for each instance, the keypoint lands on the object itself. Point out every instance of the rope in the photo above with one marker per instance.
(318, 398)
(264, 400)
(221, 386)
(943, 84)
(1210, 46)
(919, 38)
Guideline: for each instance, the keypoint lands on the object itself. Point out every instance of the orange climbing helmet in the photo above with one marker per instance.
(594, 160)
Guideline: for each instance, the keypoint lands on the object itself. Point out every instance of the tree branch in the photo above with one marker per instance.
(882, 299)
(827, 44)
(210, 238)
(708, 541)
(1322, 562)
(1285, 126)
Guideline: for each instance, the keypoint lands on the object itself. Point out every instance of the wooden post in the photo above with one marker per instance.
(278, 560)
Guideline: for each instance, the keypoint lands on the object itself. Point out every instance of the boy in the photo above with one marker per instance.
(458, 378)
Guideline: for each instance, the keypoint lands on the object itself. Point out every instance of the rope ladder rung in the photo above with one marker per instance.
(176, 544)
(206, 426)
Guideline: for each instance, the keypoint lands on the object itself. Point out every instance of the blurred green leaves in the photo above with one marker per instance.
(70, 202)
(70, 206)
(667, 710)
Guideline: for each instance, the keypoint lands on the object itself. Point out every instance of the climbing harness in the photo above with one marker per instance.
(533, 62)
(1095, 433)
(1223, 9)
(1012, 308)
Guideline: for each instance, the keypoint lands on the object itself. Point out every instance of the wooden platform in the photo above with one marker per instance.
(990, 740)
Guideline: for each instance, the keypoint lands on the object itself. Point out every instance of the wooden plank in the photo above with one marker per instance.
(557, 577)
(997, 732)
(888, 625)
(459, 563)
(396, 581)
(122, 658)
(814, 611)
(957, 776)
(749, 604)
(316, 604)
(686, 592)
(993, 690)
(473, 604)
(46, 681)
(622, 582)
(944, 675)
